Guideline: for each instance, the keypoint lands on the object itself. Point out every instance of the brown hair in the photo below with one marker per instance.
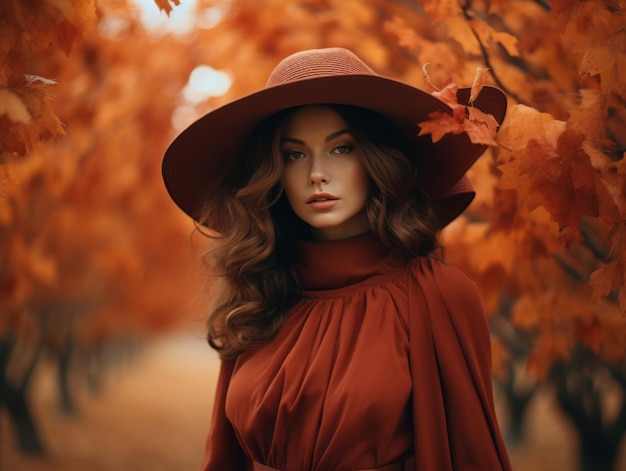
(254, 250)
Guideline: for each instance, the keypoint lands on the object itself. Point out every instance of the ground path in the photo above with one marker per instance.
(153, 416)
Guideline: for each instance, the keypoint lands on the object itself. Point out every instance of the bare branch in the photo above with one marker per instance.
(465, 8)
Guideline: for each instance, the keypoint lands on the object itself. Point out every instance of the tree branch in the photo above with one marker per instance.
(466, 14)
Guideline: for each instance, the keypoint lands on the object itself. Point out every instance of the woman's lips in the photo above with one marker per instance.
(322, 201)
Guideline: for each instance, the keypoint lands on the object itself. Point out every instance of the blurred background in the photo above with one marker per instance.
(103, 362)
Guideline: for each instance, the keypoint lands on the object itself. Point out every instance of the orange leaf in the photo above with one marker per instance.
(164, 5)
(562, 177)
(439, 124)
(607, 278)
(448, 94)
(35, 93)
(486, 34)
(481, 128)
(523, 124)
(480, 77)
(562, 10)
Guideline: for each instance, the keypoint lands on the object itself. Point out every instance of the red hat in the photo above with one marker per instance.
(196, 161)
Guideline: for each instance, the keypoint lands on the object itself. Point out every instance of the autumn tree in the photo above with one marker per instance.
(547, 245)
(87, 229)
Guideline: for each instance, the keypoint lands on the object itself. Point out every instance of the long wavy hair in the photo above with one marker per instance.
(253, 254)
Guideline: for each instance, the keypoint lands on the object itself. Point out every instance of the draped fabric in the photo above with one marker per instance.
(380, 359)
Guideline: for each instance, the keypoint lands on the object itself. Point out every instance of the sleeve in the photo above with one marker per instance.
(455, 422)
(223, 452)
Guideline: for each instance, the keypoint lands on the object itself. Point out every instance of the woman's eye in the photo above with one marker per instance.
(293, 155)
(343, 149)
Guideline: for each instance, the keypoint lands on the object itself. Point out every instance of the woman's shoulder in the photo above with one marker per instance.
(446, 283)
(432, 268)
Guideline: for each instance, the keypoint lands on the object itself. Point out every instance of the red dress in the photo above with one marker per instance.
(380, 359)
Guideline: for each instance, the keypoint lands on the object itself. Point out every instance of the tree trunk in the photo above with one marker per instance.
(93, 370)
(581, 399)
(64, 361)
(14, 398)
(597, 452)
(28, 437)
(517, 406)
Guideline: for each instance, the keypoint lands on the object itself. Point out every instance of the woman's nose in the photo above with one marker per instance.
(318, 172)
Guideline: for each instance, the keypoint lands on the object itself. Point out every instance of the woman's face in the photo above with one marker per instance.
(325, 181)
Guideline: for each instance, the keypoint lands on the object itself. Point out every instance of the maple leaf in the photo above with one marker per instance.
(607, 278)
(29, 115)
(514, 136)
(587, 117)
(448, 95)
(563, 10)
(566, 185)
(582, 181)
(480, 78)
(557, 170)
(440, 123)
(486, 33)
(606, 63)
(481, 127)
(167, 5)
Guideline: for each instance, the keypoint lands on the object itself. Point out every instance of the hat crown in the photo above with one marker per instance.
(317, 63)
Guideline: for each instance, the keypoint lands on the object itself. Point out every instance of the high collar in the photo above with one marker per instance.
(335, 264)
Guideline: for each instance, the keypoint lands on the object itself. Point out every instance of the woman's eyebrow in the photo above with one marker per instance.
(336, 134)
(330, 137)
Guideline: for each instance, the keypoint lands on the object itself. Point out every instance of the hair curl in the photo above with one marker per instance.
(258, 226)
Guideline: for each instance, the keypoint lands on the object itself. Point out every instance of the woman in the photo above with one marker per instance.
(345, 343)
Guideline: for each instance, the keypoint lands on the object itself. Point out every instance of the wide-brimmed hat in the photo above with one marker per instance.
(197, 160)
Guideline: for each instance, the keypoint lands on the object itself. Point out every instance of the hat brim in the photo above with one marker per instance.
(204, 152)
